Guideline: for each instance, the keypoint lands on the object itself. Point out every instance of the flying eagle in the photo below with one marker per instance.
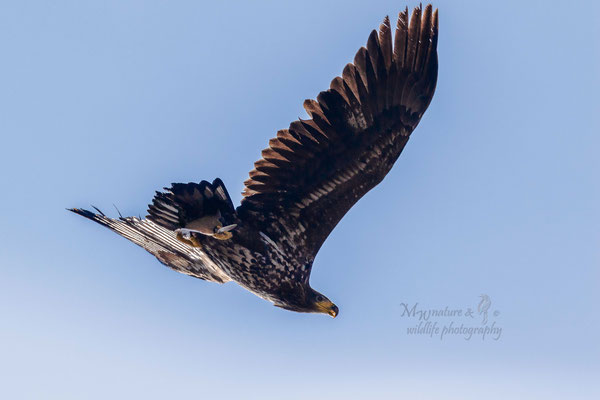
(307, 179)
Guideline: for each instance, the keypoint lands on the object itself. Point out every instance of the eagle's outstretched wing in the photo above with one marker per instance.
(161, 243)
(314, 172)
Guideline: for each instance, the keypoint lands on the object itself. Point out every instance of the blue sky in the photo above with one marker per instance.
(496, 193)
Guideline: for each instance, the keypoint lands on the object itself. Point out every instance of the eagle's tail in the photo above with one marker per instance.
(183, 203)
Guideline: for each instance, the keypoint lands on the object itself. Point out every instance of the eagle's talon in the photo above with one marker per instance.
(183, 233)
(223, 232)
(185, 236)
(223, 236)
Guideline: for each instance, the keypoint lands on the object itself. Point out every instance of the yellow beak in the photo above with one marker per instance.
(327, 307)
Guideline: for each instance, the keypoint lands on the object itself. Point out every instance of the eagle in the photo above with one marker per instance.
(308, 178)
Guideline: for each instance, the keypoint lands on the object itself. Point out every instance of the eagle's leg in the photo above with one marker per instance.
(191, 240)
(211, 225)
(223, 233)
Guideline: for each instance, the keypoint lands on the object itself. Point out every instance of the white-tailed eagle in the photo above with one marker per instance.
(307, 179)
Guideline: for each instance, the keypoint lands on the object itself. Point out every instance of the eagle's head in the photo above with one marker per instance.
(321, 304)
(305, 299)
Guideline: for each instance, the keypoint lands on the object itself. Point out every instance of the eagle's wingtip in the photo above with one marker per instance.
(85, 213)
(75, 210)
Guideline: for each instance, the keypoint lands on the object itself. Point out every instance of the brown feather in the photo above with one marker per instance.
(313, 172)
(413, 38)
(385, 42)
(400, 40)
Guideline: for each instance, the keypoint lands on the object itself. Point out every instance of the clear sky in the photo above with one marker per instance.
(496, 193)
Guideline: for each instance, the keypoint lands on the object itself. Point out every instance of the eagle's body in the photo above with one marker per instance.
(308, 178)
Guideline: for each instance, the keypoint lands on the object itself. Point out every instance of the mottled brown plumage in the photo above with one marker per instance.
(307, 179)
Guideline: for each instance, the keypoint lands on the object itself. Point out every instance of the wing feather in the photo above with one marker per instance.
(161, 243)
(312, 173)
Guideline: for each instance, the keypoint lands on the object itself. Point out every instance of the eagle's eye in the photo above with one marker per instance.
(319, 298)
